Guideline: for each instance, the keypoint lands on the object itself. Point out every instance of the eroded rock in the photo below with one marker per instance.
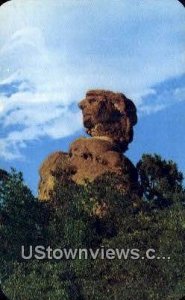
(110, 115)
(92, 157)
(109, 119)
(55, 168)
(88, 159)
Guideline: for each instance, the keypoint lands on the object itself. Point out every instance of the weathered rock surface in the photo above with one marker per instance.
(56, 167)
(92, 157)
(109, 114)
(109, 118)
(88, 159)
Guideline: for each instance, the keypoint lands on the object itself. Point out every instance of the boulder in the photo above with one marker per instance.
(109, 115)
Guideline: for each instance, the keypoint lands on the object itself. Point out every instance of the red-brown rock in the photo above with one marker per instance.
(109, 114)
(109, 118)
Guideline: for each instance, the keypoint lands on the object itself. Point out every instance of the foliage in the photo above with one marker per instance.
(97, 215)
(161, 180)
(22, 217)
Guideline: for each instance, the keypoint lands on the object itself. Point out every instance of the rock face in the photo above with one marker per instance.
(93, 157)
(55, 167)
(109, 119)
(108, 114)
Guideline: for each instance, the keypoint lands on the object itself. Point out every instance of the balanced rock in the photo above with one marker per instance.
(109, 119)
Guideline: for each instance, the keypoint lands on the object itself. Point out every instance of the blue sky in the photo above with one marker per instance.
(51, 55)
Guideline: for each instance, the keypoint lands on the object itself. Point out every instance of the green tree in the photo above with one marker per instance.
(161, 181)
(99, 215)
(22, 217)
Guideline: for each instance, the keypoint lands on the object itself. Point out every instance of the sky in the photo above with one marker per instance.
(51, 54)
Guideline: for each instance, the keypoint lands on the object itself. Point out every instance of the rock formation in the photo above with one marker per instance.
(110, 115)
(109, 119)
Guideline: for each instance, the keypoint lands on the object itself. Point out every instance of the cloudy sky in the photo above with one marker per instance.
(51, 55)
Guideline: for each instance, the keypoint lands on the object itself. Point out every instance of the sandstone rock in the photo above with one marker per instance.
(88, 159)
(109, 118)
(92, 157)
(109, 114)
(56, 167)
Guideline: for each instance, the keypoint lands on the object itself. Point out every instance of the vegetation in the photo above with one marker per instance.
(96, 216)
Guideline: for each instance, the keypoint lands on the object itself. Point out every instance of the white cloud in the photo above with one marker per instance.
(148, 109)
(56, 52)
(162, 98)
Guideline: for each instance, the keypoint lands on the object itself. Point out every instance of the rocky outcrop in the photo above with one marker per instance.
(109, 119)
(55, 168)
(93, 157)
(111, 115)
